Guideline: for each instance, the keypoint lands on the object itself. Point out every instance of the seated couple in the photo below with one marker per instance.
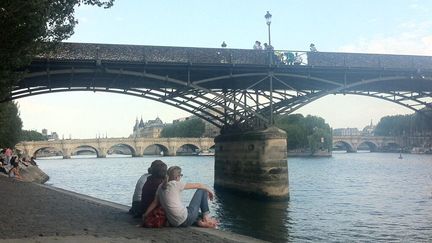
(163, 187)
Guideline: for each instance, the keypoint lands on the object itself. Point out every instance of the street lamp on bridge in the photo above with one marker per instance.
(268, 17)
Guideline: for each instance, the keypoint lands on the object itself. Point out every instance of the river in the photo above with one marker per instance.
(345, 198)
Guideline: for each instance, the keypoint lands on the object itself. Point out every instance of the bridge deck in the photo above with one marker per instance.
(190, 55)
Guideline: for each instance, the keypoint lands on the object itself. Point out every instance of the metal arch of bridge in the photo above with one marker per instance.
(415, 101)
(227, 93)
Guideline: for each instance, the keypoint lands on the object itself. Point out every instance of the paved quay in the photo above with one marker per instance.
(32, 212)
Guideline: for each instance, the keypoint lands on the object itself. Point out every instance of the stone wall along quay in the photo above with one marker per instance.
(33, 174)
(254, 163)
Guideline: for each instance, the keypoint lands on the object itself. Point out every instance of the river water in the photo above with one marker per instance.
(345, 198)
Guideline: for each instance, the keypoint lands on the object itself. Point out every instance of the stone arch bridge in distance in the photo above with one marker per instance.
(169, 146)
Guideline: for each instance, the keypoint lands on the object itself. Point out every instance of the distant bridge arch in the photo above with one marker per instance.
(375, 143)
(372, 145)
(348, 147)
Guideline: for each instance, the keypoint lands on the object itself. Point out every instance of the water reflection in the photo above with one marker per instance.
(260, 219)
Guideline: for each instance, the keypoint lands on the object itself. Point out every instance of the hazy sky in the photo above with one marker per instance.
(368, 26)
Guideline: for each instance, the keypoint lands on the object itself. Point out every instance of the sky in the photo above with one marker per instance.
(363, 26)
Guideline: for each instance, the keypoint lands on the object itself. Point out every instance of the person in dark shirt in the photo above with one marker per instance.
(158, 175)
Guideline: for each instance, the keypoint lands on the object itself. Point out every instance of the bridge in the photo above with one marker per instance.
(375, 143)
(227, 86)
(137, 146)
(240, 91)
(382, 143)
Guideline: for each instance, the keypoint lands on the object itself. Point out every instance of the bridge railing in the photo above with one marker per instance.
(333, 59)
(162, 54)
(158, 54)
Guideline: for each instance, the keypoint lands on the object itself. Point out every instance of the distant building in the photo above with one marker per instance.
(181, 119)
(346, 132)
(369, 129)
(53, 136)
(45, 132)
(149, 129)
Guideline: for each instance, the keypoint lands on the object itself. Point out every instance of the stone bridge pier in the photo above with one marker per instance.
(253, 163)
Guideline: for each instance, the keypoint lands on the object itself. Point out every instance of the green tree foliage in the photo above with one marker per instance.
(308, 132)
(10, 124)
(401, 125)
(192, 128)
(30, 135)
(27, 26)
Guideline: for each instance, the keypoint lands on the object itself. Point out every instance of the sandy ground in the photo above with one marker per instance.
(36, 213)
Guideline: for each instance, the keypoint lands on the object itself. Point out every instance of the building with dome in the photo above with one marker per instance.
(369, 130)
(148, 129)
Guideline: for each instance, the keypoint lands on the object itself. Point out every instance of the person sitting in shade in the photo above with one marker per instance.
(14, 172)
(313, 48)
(136, 209)
(2, 168)
(33, 161)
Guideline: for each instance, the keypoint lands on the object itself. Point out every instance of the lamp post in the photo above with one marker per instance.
(268, 17)
(268, 21)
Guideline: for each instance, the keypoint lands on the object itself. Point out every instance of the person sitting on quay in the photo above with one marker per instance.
(14, 172)
(168, 196)
(136, 210)
(33, 161)
(158, 175)
(2, 166)
(8, 153)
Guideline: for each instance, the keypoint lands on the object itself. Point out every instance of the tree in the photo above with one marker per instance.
(400, 125)
(28, 27)
(31, 135)
(192, 128)
(309, 132)
(10, 124)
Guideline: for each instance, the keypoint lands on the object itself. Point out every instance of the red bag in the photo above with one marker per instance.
(156, 218)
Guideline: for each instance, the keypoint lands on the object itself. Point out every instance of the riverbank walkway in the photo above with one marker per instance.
(31, 212)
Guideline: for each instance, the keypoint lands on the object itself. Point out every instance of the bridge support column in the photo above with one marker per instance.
(101, 155)
(67, 154)
(254, 163)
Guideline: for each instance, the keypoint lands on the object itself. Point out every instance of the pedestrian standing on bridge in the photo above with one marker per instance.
(257, 46)
(136, 209)
(312, 47)
(297, 59)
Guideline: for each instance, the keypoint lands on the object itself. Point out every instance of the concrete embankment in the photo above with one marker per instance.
(32, 212)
